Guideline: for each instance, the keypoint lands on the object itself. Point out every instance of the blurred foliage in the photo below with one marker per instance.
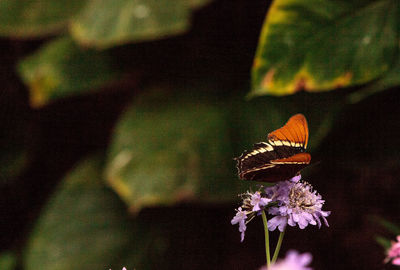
(105, 23)
(163, 152)
(61, 69)
(384, 242)
(7, 261)
(36, 18)
(84, 226)
(322, 45)
(97, 23)
(390, 227)
(175, 141)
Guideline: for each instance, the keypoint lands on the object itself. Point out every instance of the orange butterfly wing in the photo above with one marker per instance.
(293, 133)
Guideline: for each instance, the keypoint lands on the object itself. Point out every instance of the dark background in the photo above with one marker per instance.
(357, 176)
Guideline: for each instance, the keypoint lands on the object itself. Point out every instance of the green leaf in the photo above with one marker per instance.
(8, 261)
(33, 18)
(171, 149)
(62, 69)
(384, 242)
(388, 80)
(84, 226)
(320, 45)
(105, 23)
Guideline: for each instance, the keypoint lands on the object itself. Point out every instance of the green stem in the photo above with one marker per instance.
(278, 246)
(266, 233)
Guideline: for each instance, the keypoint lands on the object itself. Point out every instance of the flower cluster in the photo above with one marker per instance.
(297, 204)
(292, 261)
(393, 254)
(290, 202)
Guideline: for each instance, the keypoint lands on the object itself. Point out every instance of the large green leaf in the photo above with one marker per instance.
(105, 23)
(30, 18)
(319, 45)
(84, 226)
(166, 150)
(61, 69)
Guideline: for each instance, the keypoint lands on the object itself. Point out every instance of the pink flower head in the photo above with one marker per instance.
(292, 261)
(393, 253)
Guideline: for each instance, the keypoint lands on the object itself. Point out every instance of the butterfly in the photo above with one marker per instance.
(281, 157)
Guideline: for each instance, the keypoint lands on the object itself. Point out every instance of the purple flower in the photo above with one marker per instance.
(279, 191)
(277, 221)
(295, 178)
(240, 218)
(298, 205)
(293, 261)
(252, 204)
(257, 201)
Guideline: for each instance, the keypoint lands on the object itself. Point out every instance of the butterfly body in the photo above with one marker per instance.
(281, 157)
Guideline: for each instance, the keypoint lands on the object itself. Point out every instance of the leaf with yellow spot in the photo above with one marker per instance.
(320, 45)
